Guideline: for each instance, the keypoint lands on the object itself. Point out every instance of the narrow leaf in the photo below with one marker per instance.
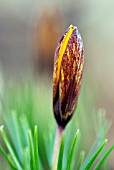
(36, 147)
(19, 147)
(7, 158)
(26, 163)
(24, 125)
(80, 162)
(92, 160)
(10, 149)
(48, 139)
(8, 117)
(100, 163)
(32, 161)
(70, 157)
(60, 159)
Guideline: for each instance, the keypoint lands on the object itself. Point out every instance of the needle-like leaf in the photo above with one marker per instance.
(10, 149)
(8, 159)
(36, 148)
(92, 160)
(70, 157)
(100, 163)
(80, 162)
(60, 159)
(32, 161)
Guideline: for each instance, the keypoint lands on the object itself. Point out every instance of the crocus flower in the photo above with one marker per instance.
(67, 75)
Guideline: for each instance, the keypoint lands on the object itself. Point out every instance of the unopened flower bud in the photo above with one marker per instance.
(67, 75)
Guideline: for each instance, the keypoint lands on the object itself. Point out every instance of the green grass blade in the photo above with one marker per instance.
(102, 127)
(36, 148)
(32, 161)
(100, 163)
(92, 160)
(8, 159)
(12, 131)
(80, 162)
(19, 147)
(91, 152)
(10, 149)
(25, 126)
(48, 140)
(70, 157)
(93, 149)
(26, 163)
(59, 165)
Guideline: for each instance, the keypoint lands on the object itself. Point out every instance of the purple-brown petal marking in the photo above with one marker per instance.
(67, 79)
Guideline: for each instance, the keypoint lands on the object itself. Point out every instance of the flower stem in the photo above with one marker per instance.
(57, 144)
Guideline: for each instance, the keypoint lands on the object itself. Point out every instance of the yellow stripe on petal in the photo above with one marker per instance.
(63, 48)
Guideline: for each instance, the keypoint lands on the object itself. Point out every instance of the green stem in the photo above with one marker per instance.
(56, 149)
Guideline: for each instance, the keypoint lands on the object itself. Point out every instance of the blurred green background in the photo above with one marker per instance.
(29, 32)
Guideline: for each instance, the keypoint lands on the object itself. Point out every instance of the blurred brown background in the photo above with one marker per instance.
(29, 32)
